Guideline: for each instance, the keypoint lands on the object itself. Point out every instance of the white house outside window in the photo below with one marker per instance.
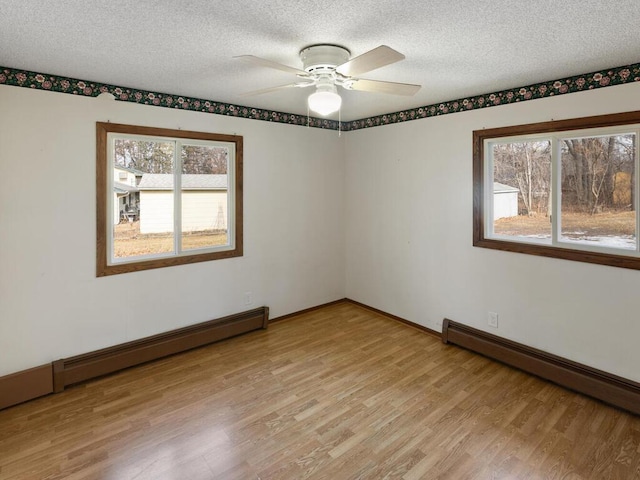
(166, 197)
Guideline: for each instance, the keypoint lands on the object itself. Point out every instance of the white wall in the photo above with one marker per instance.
(415, 258)
(505, 204)
(306, 193)
(51, 303)
(156, 212)
(200, 210)
(124, 176)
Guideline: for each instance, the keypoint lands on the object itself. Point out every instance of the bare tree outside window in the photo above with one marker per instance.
(598, 181)
(564, 189)
(526, 167)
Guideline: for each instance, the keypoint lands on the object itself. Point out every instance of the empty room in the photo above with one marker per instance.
(319, 240)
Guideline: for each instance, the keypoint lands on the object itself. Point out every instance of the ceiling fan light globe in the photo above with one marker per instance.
(324, 103)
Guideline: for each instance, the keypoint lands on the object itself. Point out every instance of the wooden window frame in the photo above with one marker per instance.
(479, 239)
(103, 266)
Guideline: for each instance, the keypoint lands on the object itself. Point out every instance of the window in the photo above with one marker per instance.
(166, 197)
(564, 189)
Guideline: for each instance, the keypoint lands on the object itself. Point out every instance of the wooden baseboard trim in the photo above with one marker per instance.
(362, 305)
(306, 310)
(25, 385)
(396, 318)
(69, 371)
(611, 389)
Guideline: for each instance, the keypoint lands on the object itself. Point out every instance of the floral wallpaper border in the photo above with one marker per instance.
(577, 83)
(53, 83)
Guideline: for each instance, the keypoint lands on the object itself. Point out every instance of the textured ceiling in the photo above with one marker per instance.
(454, 48)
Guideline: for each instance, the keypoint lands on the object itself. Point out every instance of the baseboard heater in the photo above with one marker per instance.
(69, 371)
(614, 390)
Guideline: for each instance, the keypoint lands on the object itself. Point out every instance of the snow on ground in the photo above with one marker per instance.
(626, 242)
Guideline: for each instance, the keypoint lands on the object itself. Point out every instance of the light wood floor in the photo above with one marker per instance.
(336, 394)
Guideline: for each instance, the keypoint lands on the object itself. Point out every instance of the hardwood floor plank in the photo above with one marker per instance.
(336, 393)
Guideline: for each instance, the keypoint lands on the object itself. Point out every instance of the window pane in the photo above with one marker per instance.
(204, 196)
(143, 203)
(521, 190)
(598, 184)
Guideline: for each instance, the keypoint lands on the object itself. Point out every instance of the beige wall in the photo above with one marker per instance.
(124, 176)
(200, 210)
(156, 212)
(314, 231)
(412, 255)
(51, 303)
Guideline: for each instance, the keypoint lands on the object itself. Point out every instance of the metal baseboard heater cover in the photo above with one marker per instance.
(69, 371)
(611, 389)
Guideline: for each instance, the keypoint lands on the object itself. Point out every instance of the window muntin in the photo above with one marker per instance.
(576, 189)
(182, 204)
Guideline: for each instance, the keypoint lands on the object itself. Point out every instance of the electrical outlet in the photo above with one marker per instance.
(492, 319)
(248, 299)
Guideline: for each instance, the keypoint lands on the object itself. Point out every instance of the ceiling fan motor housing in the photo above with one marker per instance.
(323, 58)
(327, 67)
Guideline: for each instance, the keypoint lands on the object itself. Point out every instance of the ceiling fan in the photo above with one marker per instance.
(327, 67)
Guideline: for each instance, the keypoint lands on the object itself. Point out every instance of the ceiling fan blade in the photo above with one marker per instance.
(368, 61)
(263, 62)
(275, 89)
(376, 86)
